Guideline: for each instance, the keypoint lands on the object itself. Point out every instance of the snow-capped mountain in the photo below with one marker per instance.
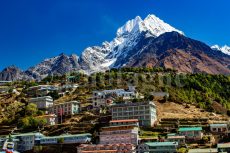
(58, 65)
(138, 43)
(100, 58)
(225, 49)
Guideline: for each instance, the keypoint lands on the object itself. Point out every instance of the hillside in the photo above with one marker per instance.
(191, 96)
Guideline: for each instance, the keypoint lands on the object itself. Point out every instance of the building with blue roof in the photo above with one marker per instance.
(67, 139)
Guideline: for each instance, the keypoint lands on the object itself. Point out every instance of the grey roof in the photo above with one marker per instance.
(211, 150)
(218, 125)
(155, 144)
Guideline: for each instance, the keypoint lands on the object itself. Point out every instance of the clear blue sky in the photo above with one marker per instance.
(31, 30)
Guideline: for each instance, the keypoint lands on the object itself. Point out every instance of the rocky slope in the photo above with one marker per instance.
(58, 65)
(149, 42)
(99, 58)
(13, 73)
(175, 51)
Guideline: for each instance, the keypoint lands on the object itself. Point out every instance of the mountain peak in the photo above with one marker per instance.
(12, 73)
(151, 24)
(225, 49)
(157, 26)
(129, 26)
(62, 54)
(12, 67)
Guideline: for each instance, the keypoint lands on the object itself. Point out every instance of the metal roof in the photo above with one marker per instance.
(190, 129)
(27, 134)
(223, 145)
(218, 125)
(211, 150)
(155, 144)
(68, 136)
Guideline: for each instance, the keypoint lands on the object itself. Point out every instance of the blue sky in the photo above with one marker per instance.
(31, 30)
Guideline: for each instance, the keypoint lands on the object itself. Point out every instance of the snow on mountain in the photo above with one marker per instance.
(100, 58)
(225, 49)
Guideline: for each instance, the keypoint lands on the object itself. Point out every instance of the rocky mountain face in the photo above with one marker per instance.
(99, 58)
(140, 42)
(149, 42)
(13, 73)
(175, 51)
(58, 65)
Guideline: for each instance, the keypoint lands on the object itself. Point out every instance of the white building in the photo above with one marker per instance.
(67, 139)
(26, 141)
(42, 102)
(145, 112)
(176, 138)
(105, 97)
(3, 83)
(69, 86)
(66, 108)
(219, 128)
(50, 119)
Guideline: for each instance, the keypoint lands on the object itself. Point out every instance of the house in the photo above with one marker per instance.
(223, 147)
(219, 128)
(209, 150)
(145, 112)
(69, 86)
(2, 140)
(67, 139)
(66, 108)
(41, 90)
(123, 131)
(157, 147)
(42, 102)
(4, 83)
(191, 133)
(4, 89)
(105, 97)
(107, 148)
(26, 141)
(176, 138)
(50, 119)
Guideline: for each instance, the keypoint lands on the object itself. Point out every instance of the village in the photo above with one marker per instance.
(131, 124)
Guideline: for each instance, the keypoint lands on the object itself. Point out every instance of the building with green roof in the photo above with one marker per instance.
(191, 133)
